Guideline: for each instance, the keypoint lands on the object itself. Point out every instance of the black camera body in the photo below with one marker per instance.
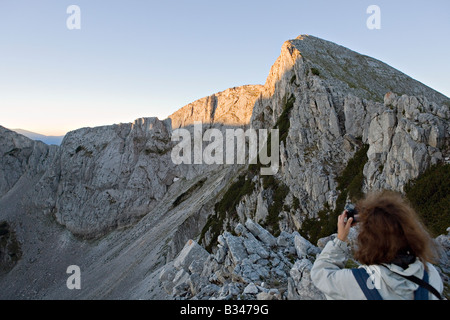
(351, 212)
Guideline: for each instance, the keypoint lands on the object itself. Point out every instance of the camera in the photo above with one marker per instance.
(351, 212)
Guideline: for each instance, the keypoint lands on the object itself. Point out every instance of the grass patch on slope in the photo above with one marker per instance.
(430, 196)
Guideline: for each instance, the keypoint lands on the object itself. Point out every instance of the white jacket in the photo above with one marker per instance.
(329, 276)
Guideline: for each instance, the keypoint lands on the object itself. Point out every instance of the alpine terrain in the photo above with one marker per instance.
(140, 225)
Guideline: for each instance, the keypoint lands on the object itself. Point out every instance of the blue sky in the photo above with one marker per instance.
(139, 58)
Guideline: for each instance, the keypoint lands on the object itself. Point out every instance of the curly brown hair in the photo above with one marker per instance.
(389, 226)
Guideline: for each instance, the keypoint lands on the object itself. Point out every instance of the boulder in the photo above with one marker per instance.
(260, 233)
(303, 247)
(191, 251)
(236, 247)
(251, 289)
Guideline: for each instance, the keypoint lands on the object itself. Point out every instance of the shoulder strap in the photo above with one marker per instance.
(422, 284)
(362, 277)
(421, 293)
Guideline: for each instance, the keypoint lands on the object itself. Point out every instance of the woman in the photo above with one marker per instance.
(391, 244)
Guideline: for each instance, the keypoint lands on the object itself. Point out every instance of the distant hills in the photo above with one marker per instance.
(56, 140)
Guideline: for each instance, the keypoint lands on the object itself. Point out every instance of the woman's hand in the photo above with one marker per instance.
(343, 227)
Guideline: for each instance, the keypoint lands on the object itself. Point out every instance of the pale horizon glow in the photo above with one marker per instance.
(134, 59)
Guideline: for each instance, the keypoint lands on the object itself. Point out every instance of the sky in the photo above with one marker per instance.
(143, 58)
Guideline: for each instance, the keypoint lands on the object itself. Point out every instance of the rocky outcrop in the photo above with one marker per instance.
(248, 266)
(110, 176)
(22, 158)
(251, 265)
(99, 178)
(408, 136)
(232, 107)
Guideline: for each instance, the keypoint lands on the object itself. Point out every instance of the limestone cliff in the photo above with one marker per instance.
(232, 107)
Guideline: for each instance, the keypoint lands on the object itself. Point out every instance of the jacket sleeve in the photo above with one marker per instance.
(435, 281)
(330, 277)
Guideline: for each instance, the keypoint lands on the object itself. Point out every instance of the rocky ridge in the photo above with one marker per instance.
(255, 265)
(408, 136)
(232, 107)
(252, 264)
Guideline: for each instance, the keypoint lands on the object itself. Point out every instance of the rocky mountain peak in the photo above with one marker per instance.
(362, 75)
